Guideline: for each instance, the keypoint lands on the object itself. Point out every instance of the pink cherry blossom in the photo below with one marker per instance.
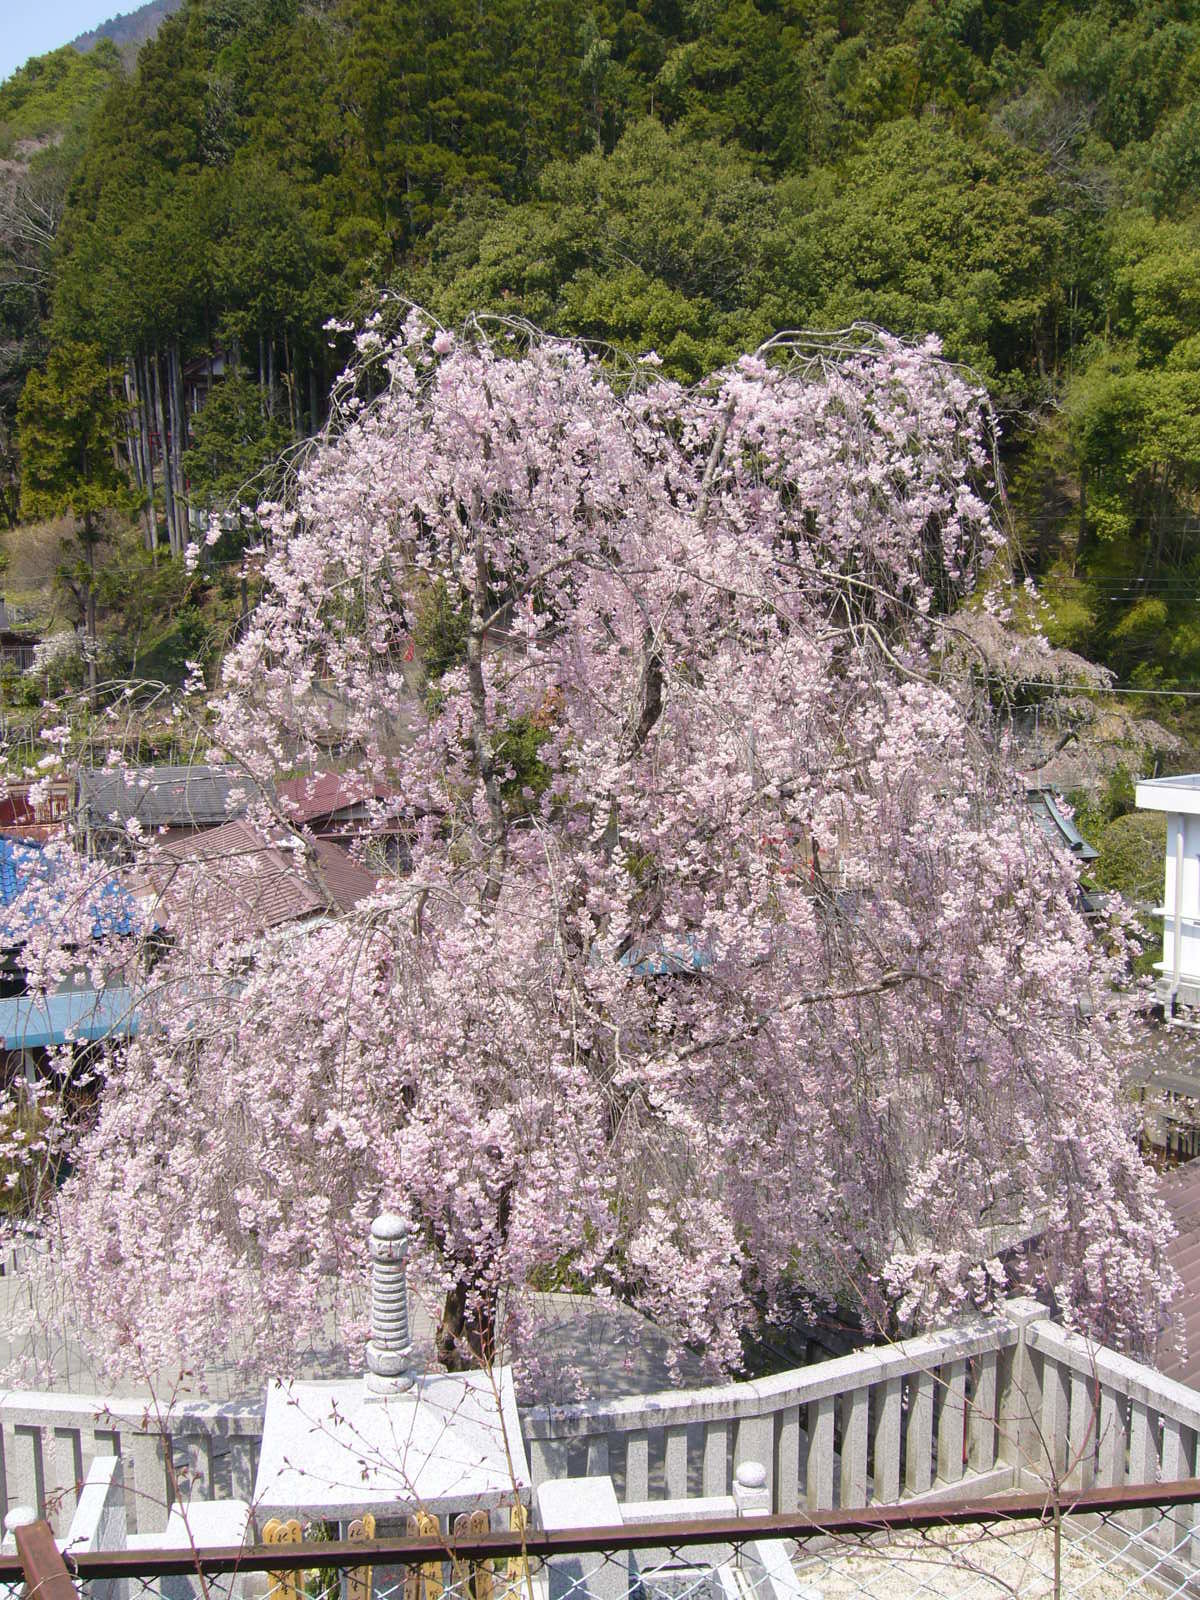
(760, 990)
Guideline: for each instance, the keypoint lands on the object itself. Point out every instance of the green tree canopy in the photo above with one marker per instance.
(67, 427)
(655, 246)
(232, 444)
(68, 421)
(54, 92)
(926, 231)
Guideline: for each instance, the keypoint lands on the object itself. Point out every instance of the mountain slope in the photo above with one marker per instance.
(129, 30)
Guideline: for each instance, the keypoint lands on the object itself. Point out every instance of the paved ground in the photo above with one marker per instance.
(583, 1348)
(973, 1563)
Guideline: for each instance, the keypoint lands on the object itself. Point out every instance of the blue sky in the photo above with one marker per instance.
(31, 27)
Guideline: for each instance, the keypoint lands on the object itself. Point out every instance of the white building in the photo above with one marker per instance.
(1180, 908)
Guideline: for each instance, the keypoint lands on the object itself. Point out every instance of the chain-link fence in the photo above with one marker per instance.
(1098, 1557)
(1090, 1546)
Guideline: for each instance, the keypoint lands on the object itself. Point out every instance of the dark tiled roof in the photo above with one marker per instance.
(164, 797)
(251, 880)
(1056, 825)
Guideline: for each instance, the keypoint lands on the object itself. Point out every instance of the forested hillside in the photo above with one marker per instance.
(1021, 179)
(129, 30)
(45, 111)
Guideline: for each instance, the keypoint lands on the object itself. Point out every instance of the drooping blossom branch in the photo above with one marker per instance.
(724, 970)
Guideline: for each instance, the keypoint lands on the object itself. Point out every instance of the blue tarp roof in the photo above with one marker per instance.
(112, 910)
(674, 960)
(29, 1020)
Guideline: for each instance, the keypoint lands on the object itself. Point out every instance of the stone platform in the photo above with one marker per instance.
(334, 1451)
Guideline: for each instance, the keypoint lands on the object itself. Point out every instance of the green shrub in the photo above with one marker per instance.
(1132, 849)
(1119, 798)
(189, 639)
(440, 630)
(1143, 625)
(517, 754)
(1094, 810)
(1069, 618)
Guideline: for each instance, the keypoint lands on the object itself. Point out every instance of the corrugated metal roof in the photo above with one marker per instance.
(252, 881)
(32, 1021)
(323, 793)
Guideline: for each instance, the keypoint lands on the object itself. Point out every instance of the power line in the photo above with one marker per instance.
(1119, 688)
(1122, 583)
(1126, 585)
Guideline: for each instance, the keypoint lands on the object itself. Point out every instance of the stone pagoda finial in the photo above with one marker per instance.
(390, 1350)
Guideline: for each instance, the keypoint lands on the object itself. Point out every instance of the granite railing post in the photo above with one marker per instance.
(751, 1491)
(566, 1503)
(751, 1496)
(766, 1563)
(1019, 1401)
(18, 1517)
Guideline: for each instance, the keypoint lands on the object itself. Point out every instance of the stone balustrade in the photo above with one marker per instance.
(1010, 1401)
(877, 1425)
(48, 1442)
(1103, 1420)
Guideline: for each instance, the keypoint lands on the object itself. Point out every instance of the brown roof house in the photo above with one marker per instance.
(246, 880)
(21, 817)
(350, 807)
(333, 805)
